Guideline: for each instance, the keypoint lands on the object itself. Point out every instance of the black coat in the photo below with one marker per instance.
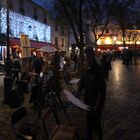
(93, 83)
(38, 65)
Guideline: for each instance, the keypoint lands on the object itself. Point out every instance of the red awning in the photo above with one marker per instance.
(14, 41)
(116, 47)
(34, 44)
(107, 47)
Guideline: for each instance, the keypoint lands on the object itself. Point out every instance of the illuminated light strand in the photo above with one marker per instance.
(23, 24)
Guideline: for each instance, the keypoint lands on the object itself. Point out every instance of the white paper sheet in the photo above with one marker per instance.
(74, 81)
(75, 101)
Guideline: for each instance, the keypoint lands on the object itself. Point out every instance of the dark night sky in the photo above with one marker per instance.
(48, 4)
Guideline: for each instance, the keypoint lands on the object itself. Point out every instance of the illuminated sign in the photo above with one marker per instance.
(20, 24)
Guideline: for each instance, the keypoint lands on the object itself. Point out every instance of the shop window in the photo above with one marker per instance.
(35, 33)
(36, 37)
(11, 33)
(10, 5)
(21, 3)
(30, 28)
(56, 27)
(35, 10)
(56, 41)
(62, 42)
(62, 30)
(21, 7)
(107, 30)
(45, 21)
(35, 13)
(45, 18)
(87, 27)
(128, 36)
(21, 10)
(45, 38)
(35, 17)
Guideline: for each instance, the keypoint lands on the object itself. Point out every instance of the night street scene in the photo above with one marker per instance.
(69, 69)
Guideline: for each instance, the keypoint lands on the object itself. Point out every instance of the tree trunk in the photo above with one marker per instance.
(81, 43)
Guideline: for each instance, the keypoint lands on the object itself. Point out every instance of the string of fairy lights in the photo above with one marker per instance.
(20, 24)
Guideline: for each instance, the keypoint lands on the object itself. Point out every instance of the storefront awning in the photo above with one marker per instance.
(105, 47)
(34, 44)
(14, 41)
(117, 47)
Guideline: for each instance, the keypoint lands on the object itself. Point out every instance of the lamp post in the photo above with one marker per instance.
(8, 63)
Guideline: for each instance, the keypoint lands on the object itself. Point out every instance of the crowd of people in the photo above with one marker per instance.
(92, 82)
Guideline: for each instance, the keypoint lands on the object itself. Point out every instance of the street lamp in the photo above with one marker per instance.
(8, 63)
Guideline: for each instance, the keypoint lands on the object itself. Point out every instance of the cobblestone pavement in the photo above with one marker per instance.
(122, 109)
(121, 117)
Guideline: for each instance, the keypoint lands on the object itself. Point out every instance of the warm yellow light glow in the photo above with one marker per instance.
(108, 40)
(138, 42)
(127, 42)
(131, 42)
(118, 42)
(114, 38)
(99, 42)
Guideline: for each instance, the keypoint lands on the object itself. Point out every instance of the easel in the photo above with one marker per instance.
(49, 100)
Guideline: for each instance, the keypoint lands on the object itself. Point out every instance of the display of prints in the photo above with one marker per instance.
(24, 40)
(26, 52)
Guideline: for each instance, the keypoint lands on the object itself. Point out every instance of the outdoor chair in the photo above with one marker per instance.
(70, 81)
(59, 131)
(22, 128)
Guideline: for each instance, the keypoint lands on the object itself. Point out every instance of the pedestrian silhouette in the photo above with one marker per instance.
(106, 65)
(94, 87)
(38, 63)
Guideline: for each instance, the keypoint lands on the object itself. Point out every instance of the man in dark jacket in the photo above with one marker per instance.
(93, 83)
(38, 63)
